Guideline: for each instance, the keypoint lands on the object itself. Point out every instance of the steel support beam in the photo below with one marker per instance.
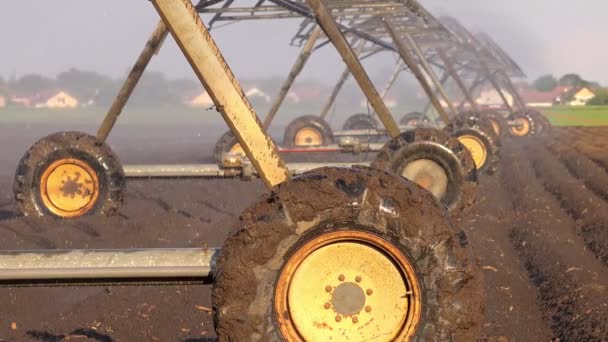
(207, 61)
(516, 96)
(151, 47)
(393, 78)
(499, 90)
(107, 264)
(443, 80)
(325, 20)
(215, 171)
(293, 74)
(411, 63)
(449, 67)
(338, 87)
(431, 74)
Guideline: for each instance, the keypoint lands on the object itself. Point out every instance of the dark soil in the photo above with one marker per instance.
(538, 231)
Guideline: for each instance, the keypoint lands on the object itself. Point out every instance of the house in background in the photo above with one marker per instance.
(534, 98)
(579, 96)
(57, 99)
(490, 98)
(3, 101)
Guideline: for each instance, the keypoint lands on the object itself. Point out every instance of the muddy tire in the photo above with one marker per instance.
(414, 119)
(482, 147)
(499, 124)
(526, 125)
(227, 143)
(360, 121)
(308, 130)
(457, 167)
(542, 124)
(68, 175)
(360, 207)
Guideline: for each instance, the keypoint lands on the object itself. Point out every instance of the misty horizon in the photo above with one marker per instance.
(107, 37)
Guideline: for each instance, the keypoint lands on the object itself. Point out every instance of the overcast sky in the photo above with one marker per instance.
(543, 36)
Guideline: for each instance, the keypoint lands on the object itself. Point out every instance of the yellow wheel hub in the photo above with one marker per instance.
(69, 187)
(429, 175)
(477, 149)
(308, 136)
(348, 286)
(495, 126)
(521, 128)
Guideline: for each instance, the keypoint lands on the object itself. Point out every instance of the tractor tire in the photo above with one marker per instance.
(435, 161)
(227, 143)
(308, 130)
(346, 254)
(415, 119)
(481, 146)
(499, 124)
(543, 126)
(476, 121)
(69, 175)
(526, 125)
(360, 121)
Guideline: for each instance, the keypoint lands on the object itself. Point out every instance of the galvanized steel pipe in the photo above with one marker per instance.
(107, 263)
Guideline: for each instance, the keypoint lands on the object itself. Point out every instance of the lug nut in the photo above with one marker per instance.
(358, 279)
(327, 288)
(327, 306)
(355, 319)
(369, 292)
(368, 308)
(341, 277)
(338, 318)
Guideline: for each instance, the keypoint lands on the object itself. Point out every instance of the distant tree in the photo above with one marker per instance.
(575, 80)
(545, 83)
(85, 85)
(31, 84)
(600, 99)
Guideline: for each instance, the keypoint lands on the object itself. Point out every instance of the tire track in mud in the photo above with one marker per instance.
(594, 177)
(571, 281)
(588, 210)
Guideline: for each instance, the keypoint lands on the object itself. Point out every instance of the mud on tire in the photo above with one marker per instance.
(311, 123)
(439, 147)
(528, 125)
(414, 119)
(81, 148)
(331, 200)
(499, 124)
(360, 121)
(224, 144)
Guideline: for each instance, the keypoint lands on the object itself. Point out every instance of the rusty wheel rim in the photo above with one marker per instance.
(308, 136)
(522, 127)
(348, 286)
(69, 188)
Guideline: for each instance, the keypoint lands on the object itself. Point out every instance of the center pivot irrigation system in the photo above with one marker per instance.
(335, 253)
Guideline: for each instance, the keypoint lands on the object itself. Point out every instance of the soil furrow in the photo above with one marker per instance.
(589, 211)
(571, 281)
(595, 178)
